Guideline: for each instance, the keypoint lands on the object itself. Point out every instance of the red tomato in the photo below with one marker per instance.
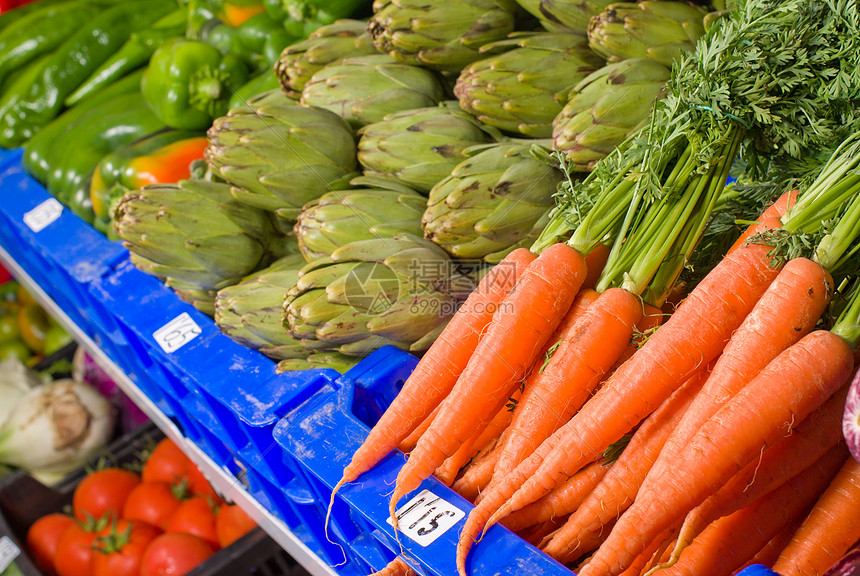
(103, 492)
(196, 516)
(231, 524)
(120, 548)
(167, 463)
(43, 537)
(174, 554)
(153, 503)
(198, 484)
(75, 552)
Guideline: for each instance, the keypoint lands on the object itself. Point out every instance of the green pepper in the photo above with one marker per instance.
(8, 17)
(19, 83)
(217, 34)
(40, 150)
(199, 13)
(188, 83)
(40, 32)
(156, 158)
(262, 82)
(255, 35)
(73, 62)
(321, 11)
(134, 53)
(94, 135)
(235, 12)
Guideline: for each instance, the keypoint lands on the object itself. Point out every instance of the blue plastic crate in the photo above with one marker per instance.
(318, 440)
(757, 570)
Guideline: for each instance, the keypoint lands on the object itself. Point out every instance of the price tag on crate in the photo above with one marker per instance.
(8, 552)
(177, 333)
(43, 215)
(426, 517)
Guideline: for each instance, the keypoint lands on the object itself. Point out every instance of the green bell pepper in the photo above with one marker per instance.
(9, 17)
(260, 40)
(188, 83)
(134, 53)
(76, 58)
(321, 11)
(217, 34)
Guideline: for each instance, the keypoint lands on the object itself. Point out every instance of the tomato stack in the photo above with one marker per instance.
(165, 520)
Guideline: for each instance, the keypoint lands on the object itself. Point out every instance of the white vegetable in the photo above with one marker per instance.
(15, 381)
(56, 426)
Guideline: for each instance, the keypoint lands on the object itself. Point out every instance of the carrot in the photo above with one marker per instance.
(791, 386)
(439, 368)
(535, 533)
(830, 530)
(595, 260)
(477, 476)
(816, 434)
(561, 501)
(588, 348)
(651, 319)
(408, 444)
(731, 541)
(396, 567)
(523, 323)
(646, 558)
(769, 219)
(448, 470)
(585, 527)
(771, 551)
(691, 338)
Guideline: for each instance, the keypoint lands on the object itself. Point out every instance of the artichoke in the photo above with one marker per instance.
(365, 89)
(367, 294)
(419, 147)
(279, 155)
(564, 15)
(250, 312)
(196, 237)
(332, 43)
(605, 108)
(523, 89)
(379, 210)
(657, 30)
(493, 202)
(444, 35)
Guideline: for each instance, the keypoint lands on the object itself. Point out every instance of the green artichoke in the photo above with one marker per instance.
(376, 209)
(420, 147)
(443, 35)
(319, 361)
(332, 43)
(657, 30)
(493, 202)
(196, 237)
(367, 294)
(365, 89)
(564, 15)
(606, 107)
(250, 312)
(523, 89)
(279, 155)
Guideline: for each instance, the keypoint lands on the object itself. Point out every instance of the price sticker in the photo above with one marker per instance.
(43, 215)
(177, 333)
(426, 517)
(8, 552)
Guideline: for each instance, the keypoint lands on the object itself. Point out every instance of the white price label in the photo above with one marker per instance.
(426, 517)
(43, 215)
(177, 333)
(8, 552)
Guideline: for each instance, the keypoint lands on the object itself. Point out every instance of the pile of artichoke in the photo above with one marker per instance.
(358, 205)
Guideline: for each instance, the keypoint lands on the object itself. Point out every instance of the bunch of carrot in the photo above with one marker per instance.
(729, 413)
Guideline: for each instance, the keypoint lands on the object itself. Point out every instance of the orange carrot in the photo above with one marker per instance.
(561, 501)
(733, 540)
(439, 368)
(693, 336)
(651, 319)
(595, 261)
(642, 562)
(396, 567)
(829, 531)
(790, 455)
(769, 219)
(448, 470)
(589, 347)
(523, 323)
(771, 405)
(616, 491)
(477, 476)
(408, 444)
(771, 551)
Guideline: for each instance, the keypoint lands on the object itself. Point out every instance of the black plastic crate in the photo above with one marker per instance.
(23, 500)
